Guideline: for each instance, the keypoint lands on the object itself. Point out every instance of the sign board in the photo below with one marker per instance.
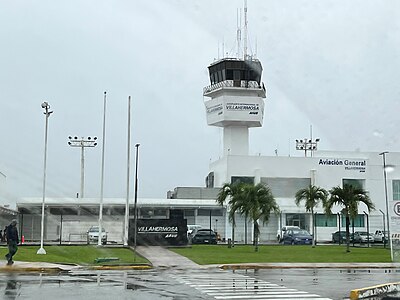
(159, 232)
(230, 110)
(394, 213)
(353, 164)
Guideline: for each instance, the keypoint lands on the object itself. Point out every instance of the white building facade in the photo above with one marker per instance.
(286, 175)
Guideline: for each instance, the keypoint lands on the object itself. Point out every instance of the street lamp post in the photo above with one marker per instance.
(135, 203)
(47, 112)
(307, 145)
(126, 223)
(102, 172)
(367, 227)
(82, 143)
(386, 201)
(384, 229)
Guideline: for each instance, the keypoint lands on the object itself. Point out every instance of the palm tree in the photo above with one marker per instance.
(232, 192)
(254, 201)
(349, 197)
(259, 204)
(312, 196)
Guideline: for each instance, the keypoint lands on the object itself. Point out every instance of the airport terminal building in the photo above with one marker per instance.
(70, 218)
(234, 101)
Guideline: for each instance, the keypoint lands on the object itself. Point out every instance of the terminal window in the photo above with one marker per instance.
(358, 221)
(325, 220)
(357, 183)
(396, 189)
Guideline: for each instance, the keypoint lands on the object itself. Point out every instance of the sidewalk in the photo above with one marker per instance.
(22, 266)
(161, 257)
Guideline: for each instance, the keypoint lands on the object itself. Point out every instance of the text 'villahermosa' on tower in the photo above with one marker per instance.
(235, 100)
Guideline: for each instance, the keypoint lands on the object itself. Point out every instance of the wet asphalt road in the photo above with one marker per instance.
(193, 284)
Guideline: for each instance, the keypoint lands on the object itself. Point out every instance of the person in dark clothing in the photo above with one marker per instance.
(12, 241)
(5, 234)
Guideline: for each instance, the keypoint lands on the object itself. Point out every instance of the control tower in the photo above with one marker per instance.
(235, 101)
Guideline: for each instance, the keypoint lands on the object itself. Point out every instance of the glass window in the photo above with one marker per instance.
(325, 220)
(189, 212)
(396, 190)
(206, 212)
(296, 220)
(357, 183)
(242, 179)
(358, 221)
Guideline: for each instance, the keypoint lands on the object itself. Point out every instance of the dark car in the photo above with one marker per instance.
(339, 236)
(204, 236)
(297, 237)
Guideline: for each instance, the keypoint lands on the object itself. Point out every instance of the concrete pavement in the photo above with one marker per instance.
(22, 266)
(161, 257)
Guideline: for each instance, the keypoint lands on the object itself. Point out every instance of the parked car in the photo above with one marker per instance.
(362, 237)
(191, 229)
(281, 232)
(204, 236)
(380, 236)
(93, 235)
(297, 237)
(339, 236)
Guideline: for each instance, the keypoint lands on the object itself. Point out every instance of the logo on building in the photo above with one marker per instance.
(396, 208)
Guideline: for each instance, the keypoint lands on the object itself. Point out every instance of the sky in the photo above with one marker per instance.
(333, 66)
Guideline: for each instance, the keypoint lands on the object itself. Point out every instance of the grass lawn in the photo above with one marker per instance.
(81, 255)
(221, 254)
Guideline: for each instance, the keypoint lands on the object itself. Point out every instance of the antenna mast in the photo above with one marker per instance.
(239, 33)
(245, 31)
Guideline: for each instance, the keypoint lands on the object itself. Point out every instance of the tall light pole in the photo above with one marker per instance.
(384, 229)
(307, 145)
(82, 143)
(102, 173)
(136, 191)
(126, 224)
(386, 201)
(47, 112)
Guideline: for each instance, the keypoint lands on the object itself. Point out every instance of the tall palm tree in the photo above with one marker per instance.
(233, 194)
(259, 204)
(254, 201)
(312, 196)
(349, 197)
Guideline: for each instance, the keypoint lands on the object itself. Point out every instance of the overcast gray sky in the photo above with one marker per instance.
(334, 65)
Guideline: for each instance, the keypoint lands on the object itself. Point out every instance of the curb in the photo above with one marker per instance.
(375, 290)
(120, 267)
(305, 266)
(31, 269)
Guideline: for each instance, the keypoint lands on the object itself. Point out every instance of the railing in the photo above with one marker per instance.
(233, 83)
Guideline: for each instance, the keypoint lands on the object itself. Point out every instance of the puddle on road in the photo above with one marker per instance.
(89, 285)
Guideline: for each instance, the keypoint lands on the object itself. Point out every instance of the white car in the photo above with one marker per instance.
(380, 236)
(280, 233)
(93, 235)
(191, 229)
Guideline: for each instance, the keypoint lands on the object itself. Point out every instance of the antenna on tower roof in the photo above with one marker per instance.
(245, 31)
(239, 32)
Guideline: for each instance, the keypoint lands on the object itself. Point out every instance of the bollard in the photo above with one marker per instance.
(22, 239)
(229, 243)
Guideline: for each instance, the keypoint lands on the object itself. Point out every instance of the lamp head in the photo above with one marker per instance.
(45, 105)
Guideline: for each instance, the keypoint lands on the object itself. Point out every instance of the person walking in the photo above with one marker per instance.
(12, 241)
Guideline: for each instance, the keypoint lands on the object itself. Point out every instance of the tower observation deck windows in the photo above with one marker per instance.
(236, 70)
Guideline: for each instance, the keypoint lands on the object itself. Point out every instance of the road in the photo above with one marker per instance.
(192, 284)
